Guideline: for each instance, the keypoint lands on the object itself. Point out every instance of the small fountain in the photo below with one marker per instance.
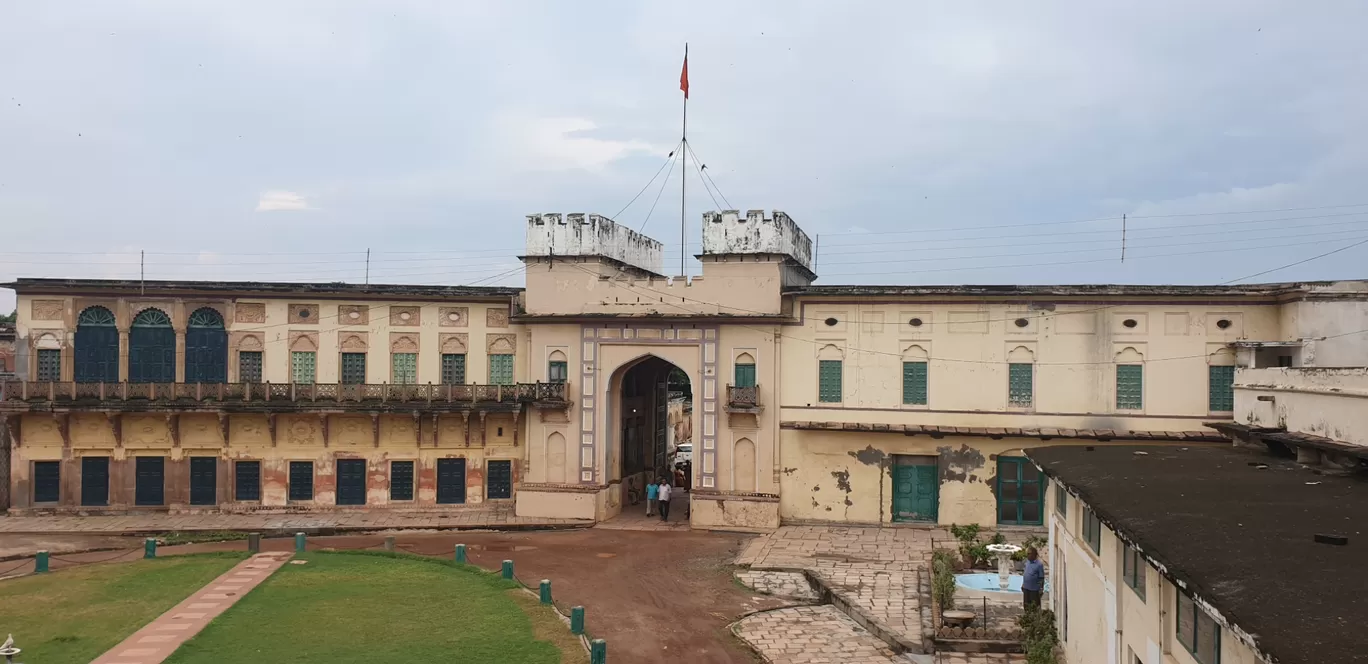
(8, 651)
(1004, 553)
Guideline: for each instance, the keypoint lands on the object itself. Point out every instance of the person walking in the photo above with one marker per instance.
(651, 492)
(1032, 580)
(663, 500)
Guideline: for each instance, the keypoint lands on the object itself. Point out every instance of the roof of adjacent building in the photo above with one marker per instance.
(1043, 433)
(1076, 290)
(1235, 528)
(29, 285)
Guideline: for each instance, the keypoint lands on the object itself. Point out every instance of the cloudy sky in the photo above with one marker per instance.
(924, 144)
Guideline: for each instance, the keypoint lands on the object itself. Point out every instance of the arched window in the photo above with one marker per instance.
(744, 374)
(97, 347)
(206, 348)
(151, 348)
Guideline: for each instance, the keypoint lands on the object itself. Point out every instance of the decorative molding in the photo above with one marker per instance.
(403, 342)
(301, 432)
(453, 316)
(496, 317)
(453, 342)
(46, 309)
(302, 341)
(251, 342)
(355, 342)
(303, 314)
(406, 316)
(501, 344)
(353, 314)
(249, 312)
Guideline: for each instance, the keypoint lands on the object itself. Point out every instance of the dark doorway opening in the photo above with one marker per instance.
(95, 481)
(451, 481)
(654, 426)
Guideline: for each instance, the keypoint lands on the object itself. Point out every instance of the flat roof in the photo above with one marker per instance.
(1069, 290)
(1235, 527)
(263, 288)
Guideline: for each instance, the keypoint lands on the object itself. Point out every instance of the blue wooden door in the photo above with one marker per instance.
(499, 479)
(95, 481)
(206, 348)
(351, 481)
(151, 348)
(915, 492)
(97, 347)
(203, 480)
(149, 486)
(451, 481)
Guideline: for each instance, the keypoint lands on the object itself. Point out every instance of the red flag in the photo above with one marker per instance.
(684, 74)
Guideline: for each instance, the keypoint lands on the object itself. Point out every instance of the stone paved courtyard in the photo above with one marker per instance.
(780, 584)
(812, 635)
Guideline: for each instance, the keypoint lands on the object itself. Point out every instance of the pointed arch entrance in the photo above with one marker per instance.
(650, 419)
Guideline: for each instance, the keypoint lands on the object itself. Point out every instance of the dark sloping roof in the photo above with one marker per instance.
(1065, 290)
(1239, 536)
(30, 285)
(1044, 433)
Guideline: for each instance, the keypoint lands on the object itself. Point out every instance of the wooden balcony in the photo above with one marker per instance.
(21, 396)
(743, 399)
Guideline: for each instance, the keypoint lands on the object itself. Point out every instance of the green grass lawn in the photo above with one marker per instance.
(352, 607)
(75, 614)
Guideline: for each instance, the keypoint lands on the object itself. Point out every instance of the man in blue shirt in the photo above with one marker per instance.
(1033, 579)
(651, 492)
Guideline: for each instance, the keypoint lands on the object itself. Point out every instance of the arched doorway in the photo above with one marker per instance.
(653, 423)
(206, 348)
(97, 347)
(151, 348)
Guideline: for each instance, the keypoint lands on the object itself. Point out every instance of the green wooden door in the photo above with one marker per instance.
(915, 492)
(1020, 492)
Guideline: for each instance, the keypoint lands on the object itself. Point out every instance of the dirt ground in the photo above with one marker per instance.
(654, 596)
(16, 545)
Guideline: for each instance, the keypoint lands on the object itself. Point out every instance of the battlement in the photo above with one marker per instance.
(591, 235)
(727, 232)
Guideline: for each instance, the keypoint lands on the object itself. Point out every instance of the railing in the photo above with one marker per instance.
(66, 391)
(743, 397)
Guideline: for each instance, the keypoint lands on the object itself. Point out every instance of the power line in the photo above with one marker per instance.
(703, 174)
(662, 190)
(646, 186)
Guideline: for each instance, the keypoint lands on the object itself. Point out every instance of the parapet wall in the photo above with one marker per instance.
(727, 232)
(578, 234)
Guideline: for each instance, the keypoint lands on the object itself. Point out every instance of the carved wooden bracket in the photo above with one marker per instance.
(323, 427)
(465, 423)
(483, 434)
(116, 426)
(375, 428)
(173, 425)
(517, 420)
(14, 424)
(271, 424)
(223, 419)
(436, 428)
(418, 428)
(63, 422)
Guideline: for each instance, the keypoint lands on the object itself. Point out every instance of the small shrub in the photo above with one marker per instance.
(943, 579)
(1038, 636)
(971, 547)
(1033, 542)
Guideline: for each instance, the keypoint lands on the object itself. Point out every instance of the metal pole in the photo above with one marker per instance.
(367, 266)
(684, 173)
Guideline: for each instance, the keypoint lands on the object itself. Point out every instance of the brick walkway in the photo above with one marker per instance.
(498, 516)
(812, 635)
(978, 658)
(158, 639)
(791, 585)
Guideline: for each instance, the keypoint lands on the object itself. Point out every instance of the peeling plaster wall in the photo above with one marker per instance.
(1324, 402)
(578, 234)
(727, 232)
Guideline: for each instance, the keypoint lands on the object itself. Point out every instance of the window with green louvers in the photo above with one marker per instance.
(557, 372)
(914, 383)
(745, 375)
(1130, 386)
(1221, 389)
(353, 368)
(1020, 384)
(304, 366)
(829, 381)
(453, 369)
(49, 364)
(404, 368)
(500, 369)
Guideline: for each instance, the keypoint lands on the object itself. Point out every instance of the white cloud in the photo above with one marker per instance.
(565, 144)
(271, 201)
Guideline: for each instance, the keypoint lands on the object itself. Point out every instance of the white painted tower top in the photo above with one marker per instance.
(727, 232)
(591, 235)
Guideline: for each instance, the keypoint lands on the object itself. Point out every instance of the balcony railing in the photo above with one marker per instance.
(66, 391)
(743, 397)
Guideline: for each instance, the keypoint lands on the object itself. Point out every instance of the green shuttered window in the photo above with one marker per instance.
(1221, 389)
(1130, 386)
(303, 366)
(914, 383)
(745, 375)
(500, 369)
(453, 369)
(1020, 385)
(1198, 632)
(829, 381)
(558, 372)
(404, 368)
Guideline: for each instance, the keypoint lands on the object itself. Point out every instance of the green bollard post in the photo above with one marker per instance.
(150, 548)
(508, 570)
(40, 562)
(254, 542)
(545, 591)
(577, 620)
(460, 553)
(299, 542)
(598, 652)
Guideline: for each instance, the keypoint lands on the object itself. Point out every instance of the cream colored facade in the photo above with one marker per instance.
(1103, 619)
(598, 314)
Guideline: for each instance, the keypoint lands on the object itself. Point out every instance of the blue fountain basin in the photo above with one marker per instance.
(988, 582)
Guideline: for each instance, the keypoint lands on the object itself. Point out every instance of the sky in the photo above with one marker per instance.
(967, 142)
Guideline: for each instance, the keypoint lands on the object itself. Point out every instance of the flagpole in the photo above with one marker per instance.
(684, 172)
